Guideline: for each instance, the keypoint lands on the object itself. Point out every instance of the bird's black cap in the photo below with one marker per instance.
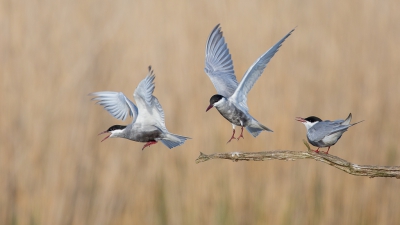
(215, 98)
(313, 119)
(116, 127)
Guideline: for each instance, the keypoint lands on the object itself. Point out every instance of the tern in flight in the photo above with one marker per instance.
(231, 100)
(148, 123)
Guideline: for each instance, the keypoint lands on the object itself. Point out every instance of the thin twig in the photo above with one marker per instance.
(341, 164)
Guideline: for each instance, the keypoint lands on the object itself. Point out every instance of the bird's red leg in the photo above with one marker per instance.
(328, 150)
(317, 151)
(149, 143)
(241, 135)
(233, 136)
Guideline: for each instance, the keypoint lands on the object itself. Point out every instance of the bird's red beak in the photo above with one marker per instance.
(106, 136)
(300, 119)
(209, 107)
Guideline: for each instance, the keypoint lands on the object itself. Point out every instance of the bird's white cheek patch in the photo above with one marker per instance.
(220, 102)
(115, 133)
(309, 125)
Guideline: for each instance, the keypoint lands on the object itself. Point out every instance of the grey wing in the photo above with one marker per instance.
(219, 65)
(116, 103)
(338, 121)
(325, 128)
(254, 72)
(151, 112)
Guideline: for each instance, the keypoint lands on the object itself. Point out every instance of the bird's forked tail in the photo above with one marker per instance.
(255, 128)
(173, 140)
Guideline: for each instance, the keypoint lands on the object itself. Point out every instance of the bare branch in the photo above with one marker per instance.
(341, 164)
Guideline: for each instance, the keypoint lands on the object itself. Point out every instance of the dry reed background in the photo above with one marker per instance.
(343, 57)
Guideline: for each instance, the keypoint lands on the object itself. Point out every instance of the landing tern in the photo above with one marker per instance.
(231, 100)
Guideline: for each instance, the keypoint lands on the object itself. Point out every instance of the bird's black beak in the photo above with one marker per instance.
(209, 107)
(106, 136)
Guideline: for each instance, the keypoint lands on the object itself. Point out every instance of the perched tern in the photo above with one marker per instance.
(231, 100)
(148, 123)
(325, 133)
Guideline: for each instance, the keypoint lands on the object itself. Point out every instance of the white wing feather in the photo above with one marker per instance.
(219, 65)
(254, 72)
(151, 112)
(116, 103)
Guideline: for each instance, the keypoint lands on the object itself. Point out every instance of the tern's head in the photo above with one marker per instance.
(309, 121)
(115, 131)
(215, 99)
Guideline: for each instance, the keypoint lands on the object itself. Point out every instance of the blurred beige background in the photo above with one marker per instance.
(343, 57)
